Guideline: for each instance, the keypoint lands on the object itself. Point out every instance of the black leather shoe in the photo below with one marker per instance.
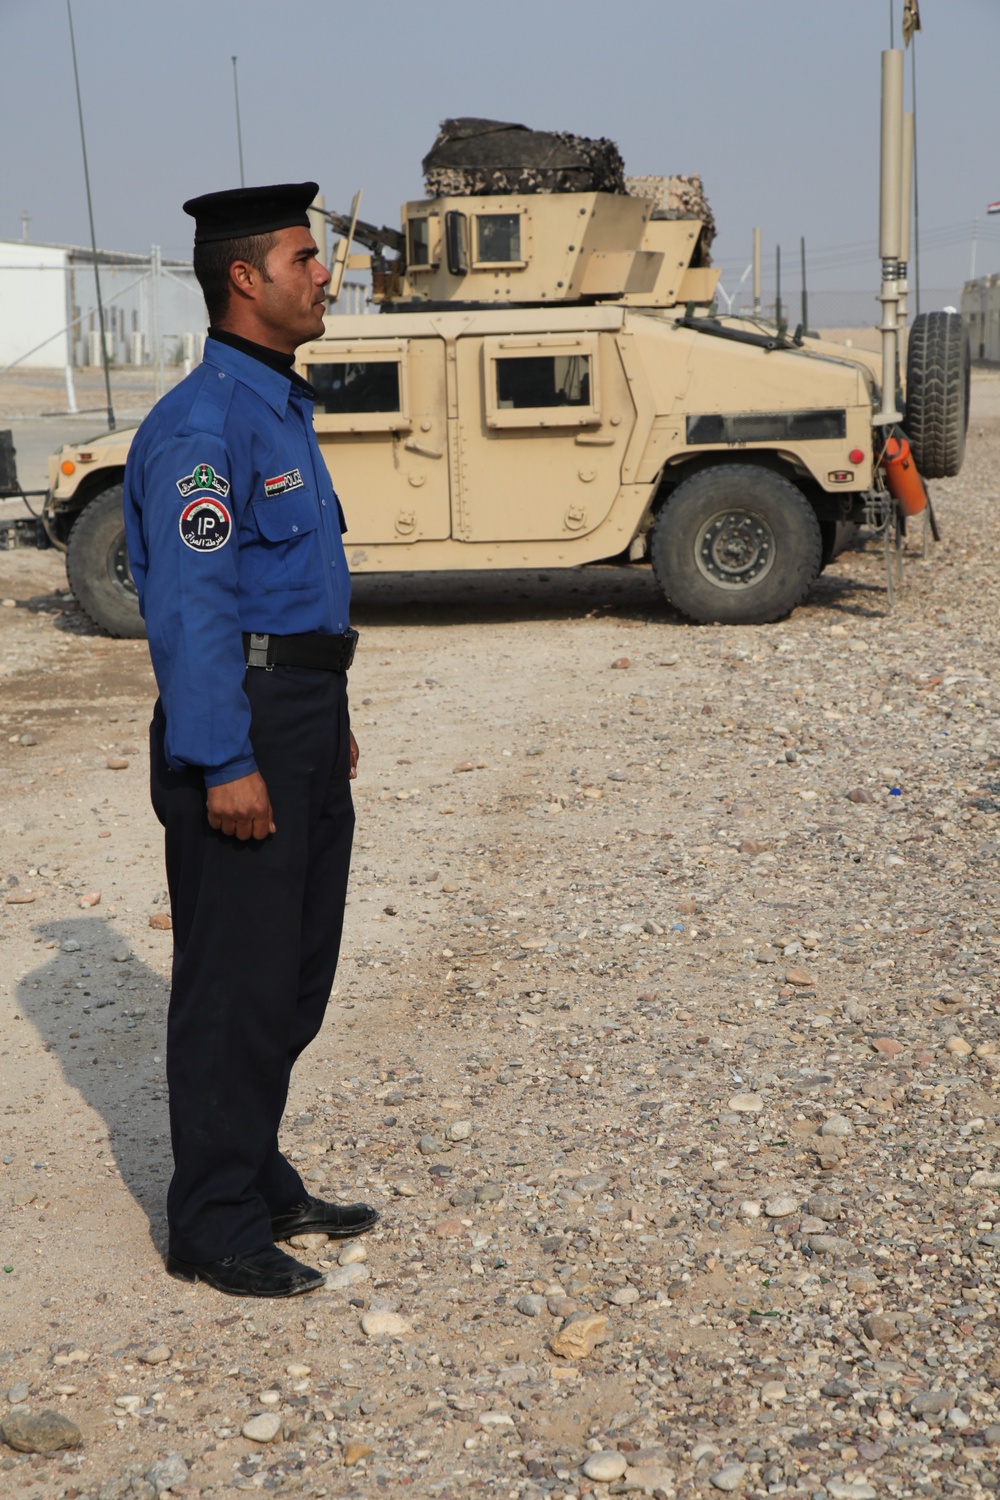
(341, 1221)
(268, 1272)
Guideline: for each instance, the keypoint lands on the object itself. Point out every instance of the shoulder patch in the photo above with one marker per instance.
(282, 483)
(203, 478)
(205, 524)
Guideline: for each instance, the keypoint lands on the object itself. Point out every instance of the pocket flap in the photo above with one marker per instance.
(285, 517)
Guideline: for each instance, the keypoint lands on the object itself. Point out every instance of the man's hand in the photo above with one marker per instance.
(355, 752)
(241, 807)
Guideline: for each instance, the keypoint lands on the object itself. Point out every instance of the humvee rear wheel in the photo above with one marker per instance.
(98, 568)
(737, 544)
(938, 370)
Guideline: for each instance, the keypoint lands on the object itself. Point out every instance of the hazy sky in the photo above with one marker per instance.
(774, 102)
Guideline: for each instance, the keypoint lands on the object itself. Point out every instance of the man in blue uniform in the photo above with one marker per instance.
(234, 536)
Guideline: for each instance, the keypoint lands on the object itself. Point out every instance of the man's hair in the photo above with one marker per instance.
(212, 262)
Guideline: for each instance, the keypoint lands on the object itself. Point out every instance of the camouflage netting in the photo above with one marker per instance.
(472, 157)
(676, 198)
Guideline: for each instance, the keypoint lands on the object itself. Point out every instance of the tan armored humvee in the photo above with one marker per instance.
(547, 384)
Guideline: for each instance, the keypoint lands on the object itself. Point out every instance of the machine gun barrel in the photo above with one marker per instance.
(366, 234)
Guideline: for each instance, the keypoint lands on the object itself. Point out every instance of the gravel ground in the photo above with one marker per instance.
(664, 1038)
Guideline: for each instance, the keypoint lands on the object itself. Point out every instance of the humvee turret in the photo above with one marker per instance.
(547, 383)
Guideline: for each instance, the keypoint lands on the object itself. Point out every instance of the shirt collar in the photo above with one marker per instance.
(272, 386)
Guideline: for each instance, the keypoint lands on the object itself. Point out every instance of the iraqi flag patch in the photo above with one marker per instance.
(205, 524)
(282, 483)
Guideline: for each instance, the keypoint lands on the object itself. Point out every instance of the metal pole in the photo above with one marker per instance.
(756, 273)
(154, 265)
(805, 294)
(890, 227)
(905, 213)
(916, 194)
(777, 293)
(90, 212)
(975, 238)
(239, 133)
(892, 26)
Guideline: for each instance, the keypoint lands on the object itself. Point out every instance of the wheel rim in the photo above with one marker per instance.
(735, 549)
(119, 570)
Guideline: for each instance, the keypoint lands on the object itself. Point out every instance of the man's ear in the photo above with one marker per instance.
(244, 279)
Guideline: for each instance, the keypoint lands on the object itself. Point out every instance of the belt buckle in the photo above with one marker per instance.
(257, 654)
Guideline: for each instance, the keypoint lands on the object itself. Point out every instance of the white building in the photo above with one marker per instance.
(48, 307)
(981, 312)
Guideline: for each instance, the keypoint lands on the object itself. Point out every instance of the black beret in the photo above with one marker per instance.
(239, 212)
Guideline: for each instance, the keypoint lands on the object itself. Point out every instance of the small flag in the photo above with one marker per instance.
(993, 208)
(911, 20)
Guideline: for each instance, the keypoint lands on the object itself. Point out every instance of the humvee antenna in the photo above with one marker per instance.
(90, 212)
(239, 133)
(916, 193)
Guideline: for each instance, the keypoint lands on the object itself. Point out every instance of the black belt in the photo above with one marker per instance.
(328, 653)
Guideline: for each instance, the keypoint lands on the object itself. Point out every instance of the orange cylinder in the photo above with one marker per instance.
(905, 485)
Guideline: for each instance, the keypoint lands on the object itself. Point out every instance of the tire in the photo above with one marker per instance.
(736, 544)
(938, 370)
(98, 569)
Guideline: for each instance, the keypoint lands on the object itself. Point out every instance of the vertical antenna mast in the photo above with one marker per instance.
(239, 133)
(916, 191)
(90, 212)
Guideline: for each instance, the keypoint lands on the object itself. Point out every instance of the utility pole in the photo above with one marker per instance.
(239, 133)
(93, 239)
(777, 293)
(805, 294)
(975, 240)
(756, 273)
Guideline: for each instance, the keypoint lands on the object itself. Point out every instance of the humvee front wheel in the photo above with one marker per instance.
(736, 544)
(98, 568)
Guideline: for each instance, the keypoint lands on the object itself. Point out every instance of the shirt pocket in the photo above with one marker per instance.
(287, 555)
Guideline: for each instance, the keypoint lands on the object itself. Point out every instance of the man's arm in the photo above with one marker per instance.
(182, 504)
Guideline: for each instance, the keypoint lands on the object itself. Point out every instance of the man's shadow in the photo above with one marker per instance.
(105, 1020)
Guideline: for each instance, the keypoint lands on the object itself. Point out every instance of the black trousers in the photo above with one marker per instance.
(256, 928)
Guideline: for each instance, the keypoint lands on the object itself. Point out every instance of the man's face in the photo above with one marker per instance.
(291, 304)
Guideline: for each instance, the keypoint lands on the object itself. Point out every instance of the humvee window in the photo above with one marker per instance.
(498, 239)
(420, 242)
(371, 386)
(543, 380)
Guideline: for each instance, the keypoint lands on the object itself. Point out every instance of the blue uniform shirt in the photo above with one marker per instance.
(232, 525)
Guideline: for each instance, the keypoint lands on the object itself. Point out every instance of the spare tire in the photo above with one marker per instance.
(937, 393)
